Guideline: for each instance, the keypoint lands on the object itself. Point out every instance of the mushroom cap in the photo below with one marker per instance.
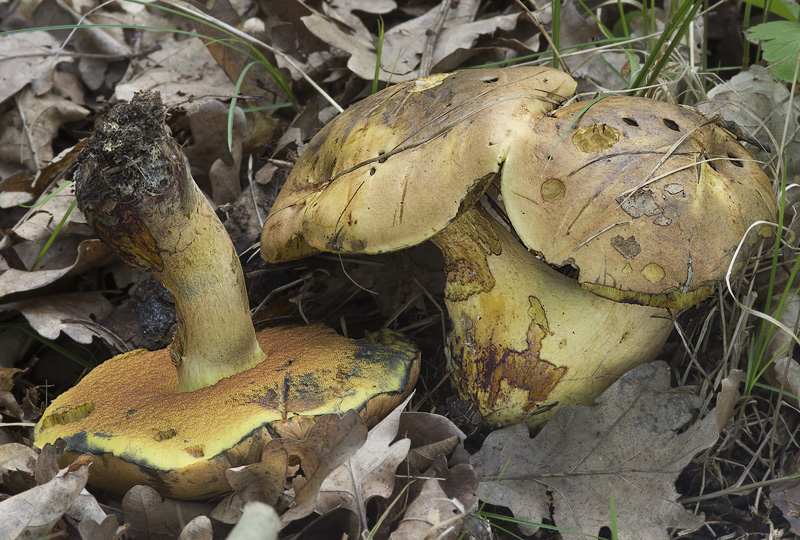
(129, 413)
(605, 191)
(395, 168)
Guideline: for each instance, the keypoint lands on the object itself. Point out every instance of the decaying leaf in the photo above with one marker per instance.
(36, 511)
(151, 517)
(630, 445)
(330, 441)
(107, 529)
(32, 126)
(368, 473)
(90, 253)
(16, 457)
(405, 44)
(438, 510)
(727, 397)
(755, 100)
(213, 164)
(432, 435)
(431, 515)
(786, 495)
(75, 314)
(197, 529)
(21, 70)
(167, 71)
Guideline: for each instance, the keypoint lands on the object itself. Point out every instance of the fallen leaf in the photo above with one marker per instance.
(168, 71)
(153, 518)
(755, 97)
(405, 43)
(7, 378)
(75, 314)
(197, 529)
(31, 127)
(213, 164)
(631, 445)
(431, 435)
(368, 473)
(727, 397)
(17, 457)
(34, 512)
(786, 495)
(438, 511)
(107, 529)
(90, 253)
(19, 70)
(23, 187)
(330, 443)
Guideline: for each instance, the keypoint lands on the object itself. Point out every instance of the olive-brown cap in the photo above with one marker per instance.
(397, 167)
(129, 413)
(648, 200)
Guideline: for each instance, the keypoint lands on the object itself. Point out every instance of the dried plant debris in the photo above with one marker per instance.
(632, 445)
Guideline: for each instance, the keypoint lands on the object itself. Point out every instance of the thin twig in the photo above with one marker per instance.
(431, 37)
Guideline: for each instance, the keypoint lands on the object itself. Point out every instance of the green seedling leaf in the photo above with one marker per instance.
(53, 236)
(787, 10)
(781, 45)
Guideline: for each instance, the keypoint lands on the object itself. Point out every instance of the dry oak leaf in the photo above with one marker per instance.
(152, 517)
(369, 472)
(330, 441)
(630, 445)
(439, 509)
(74, 314)
(33, 513)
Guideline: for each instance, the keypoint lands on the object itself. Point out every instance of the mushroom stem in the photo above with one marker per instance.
(525, 337)
(135, 189)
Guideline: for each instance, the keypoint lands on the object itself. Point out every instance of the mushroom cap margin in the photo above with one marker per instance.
(128, 412)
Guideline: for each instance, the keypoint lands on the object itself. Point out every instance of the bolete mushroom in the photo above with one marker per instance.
(177, 418)
(407, 165)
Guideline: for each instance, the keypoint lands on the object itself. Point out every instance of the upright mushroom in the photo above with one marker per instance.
(177, 418)
(407, 165)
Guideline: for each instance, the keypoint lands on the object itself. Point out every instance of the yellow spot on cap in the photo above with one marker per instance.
(428, 82)
(627, 269)
(595, 138)
(653, 273)
(68, 416)
(553, 190)
(537, 313)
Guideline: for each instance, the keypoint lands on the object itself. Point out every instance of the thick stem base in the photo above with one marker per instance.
(526, 338)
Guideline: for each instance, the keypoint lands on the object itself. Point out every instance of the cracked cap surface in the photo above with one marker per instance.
(596, 191)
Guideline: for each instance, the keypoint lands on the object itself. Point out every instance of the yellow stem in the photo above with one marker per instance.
(525, 337)
(135, 188)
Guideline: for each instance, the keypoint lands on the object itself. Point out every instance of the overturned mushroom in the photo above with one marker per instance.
(177, 418)
(407, 165)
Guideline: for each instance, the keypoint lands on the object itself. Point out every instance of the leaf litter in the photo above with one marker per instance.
(415, 470)
(631, 446)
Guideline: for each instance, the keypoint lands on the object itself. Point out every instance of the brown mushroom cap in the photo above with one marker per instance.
(591, 190)
(397, 167)
(129, 413)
